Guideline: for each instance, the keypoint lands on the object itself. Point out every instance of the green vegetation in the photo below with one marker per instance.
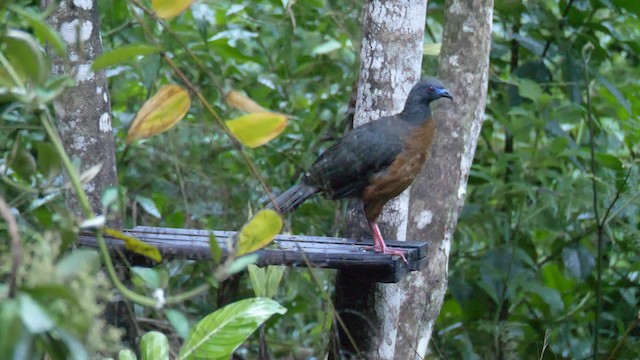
(546, 251)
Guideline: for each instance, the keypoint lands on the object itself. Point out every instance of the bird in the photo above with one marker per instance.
(374, 162)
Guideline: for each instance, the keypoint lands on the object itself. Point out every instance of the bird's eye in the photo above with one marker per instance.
(430, 88)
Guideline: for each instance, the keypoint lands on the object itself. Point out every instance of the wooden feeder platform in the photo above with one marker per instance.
(287, 250)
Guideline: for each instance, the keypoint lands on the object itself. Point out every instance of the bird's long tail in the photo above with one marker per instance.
(292, 198)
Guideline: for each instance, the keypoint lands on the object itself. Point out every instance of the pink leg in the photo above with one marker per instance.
(379, 245)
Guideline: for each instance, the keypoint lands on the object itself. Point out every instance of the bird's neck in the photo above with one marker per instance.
(416, 114)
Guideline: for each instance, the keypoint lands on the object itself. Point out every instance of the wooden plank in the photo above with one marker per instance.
(288, 250)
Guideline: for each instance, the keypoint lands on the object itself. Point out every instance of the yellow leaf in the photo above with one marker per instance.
(135, 245)
(258, 232)
(244, 103)
(160, 113)
(257, 129)
(166, 9)
(432, 49)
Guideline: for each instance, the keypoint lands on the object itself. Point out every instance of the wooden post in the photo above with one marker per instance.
(390, 62)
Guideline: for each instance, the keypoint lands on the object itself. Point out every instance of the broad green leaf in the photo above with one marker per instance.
(11, 327)
(135, 245)
(160, 113)
(80, 261)
(257, 129)
(149, 206)
(432, 49)
(123, 54)
(23, 163)
(75, 349)
(25, 56)
(154, 345)
(166, 9)
(127, 354)
(529, 89)
(150, 276)
(179, 322)
(549, 295)
(220, 333)
(48, 160)
(34, 316)
(41, 29)
(265, 281)
(258, 232)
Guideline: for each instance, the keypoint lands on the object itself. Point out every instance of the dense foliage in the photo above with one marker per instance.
(546, 250)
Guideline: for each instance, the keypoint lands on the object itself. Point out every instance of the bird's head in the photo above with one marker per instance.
(428, 90)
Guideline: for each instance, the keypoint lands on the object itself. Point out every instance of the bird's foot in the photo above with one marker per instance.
(388, 251)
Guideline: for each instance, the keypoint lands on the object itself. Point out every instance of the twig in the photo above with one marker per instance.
(16, 245)
(586, 54)
(630, 328)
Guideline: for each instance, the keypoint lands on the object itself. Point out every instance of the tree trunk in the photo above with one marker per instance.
(438, 193)
(390, 62)
(84, 120)
(84, 111)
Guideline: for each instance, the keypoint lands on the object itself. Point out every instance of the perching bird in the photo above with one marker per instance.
(374, 162)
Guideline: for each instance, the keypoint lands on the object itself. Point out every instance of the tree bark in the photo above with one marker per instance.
(84, 111)
(390, 62)
(438, 193)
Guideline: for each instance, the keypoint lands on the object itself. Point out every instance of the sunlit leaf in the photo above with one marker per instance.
(135, 245)
(149, 206)
(578, 261)
(151, 277)
(432, 49)
(166, 9)
(179, 322)
(327, 47)
(243, 102)
(123, 54)
(257, 129)
(80, 261)
(220, 333)
(154, 345)
(265, 281)
(241, 263)
(127, 354)
(258, 232)
(160, 113)
(34, 316)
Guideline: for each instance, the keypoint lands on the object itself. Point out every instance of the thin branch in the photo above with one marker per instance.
(561, 26)
(586, 54)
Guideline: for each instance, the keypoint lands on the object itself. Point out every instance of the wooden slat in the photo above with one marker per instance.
(289, 250)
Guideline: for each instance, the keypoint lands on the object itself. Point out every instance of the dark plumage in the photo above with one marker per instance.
(374, 162)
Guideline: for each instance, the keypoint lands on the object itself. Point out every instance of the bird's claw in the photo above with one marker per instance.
(388, 251)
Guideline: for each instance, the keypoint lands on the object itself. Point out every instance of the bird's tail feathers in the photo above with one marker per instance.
(292, 198)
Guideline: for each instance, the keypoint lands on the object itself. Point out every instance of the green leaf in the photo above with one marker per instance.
(327, 47)
(529, 89)
(257, 129)
(219, 334)
(241, 263)
(127, 354)
(179, 322)
(258, 232)
(578, 261)
(80, 261)
(265, 281)
(148, 205)
(150, 277)
(25, 56)
(43, 31)
(550, 296)
(214, 248)
(11, 327)
(166, 9)
(432, 49)
(34, 316)
(123, 54)
(48, 160)
(154, 346)
(23, 163)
